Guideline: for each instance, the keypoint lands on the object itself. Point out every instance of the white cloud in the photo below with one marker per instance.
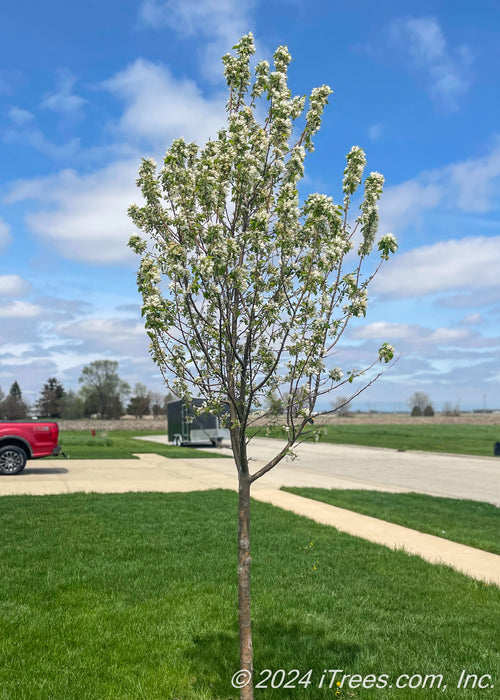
(472, 319)
(20, 309)
(221, 22)
(20, 116)
(472, 186)
(57, 307)
(62, 100)
(27, 134)
(403, 204)
(445, 266)
(384, 329)
(92, 328)
(477, 181)
(448, 336)
(447, 70)
(452, 361)
(30, 375)
(409, 332)
(13, 286)
(4, 233)
(87, 215)
(124, 337)
(160, 108)
(375, 131)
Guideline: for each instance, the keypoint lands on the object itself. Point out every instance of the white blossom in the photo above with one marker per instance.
(353, 173)
(246, 285)
(335, 374)
(386, 352)
(387, 245)
(374, 184)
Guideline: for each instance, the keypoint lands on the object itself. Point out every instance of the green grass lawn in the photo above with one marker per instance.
(459, 439)
(134, 596)
(469, 522)
(120, 444)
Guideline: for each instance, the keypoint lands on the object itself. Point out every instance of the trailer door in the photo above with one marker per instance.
(186, 426)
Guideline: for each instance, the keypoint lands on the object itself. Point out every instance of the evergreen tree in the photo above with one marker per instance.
(14, 407)
(140, 402)
(51, 401)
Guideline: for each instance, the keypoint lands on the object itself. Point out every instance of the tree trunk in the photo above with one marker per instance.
(244, 562)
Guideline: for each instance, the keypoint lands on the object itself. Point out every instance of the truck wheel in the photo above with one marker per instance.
(12, 459)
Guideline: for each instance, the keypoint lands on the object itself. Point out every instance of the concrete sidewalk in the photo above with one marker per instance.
(154, 472)
(483, 566)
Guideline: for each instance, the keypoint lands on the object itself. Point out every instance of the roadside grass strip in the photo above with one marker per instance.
(134, 596)
(455, 439)
(120, 444)
(468, 522)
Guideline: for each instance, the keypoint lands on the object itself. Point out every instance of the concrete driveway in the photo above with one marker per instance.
(323, 465)
(353, 467)
(453, 476)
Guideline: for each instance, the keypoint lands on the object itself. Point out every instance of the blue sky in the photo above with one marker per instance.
(87, 89)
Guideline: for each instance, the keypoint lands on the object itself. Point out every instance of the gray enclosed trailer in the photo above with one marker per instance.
(204, 429)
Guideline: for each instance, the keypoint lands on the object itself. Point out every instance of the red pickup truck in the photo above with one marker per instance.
(22, 441)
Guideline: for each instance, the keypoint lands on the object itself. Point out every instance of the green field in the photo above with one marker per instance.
(134, 596)
(469, 522)
(458, 439)
(120, 444)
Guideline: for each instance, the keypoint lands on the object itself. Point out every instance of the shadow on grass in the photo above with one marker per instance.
(213, 659)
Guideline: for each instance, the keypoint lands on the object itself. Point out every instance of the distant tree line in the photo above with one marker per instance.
(102, 394)
(421, 405)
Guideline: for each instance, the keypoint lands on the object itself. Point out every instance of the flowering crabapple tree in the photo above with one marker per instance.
(247, 290)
